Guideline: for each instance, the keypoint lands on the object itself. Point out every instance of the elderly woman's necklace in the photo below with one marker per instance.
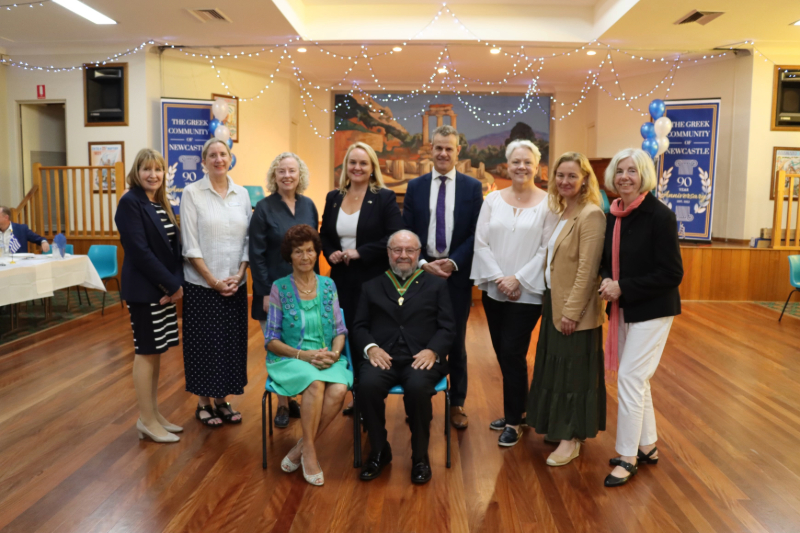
(309, 291)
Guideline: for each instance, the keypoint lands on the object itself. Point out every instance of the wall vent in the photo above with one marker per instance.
(701, 17)
(208, 15)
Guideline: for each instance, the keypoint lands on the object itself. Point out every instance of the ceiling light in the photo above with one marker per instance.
(591, 53)
(79, 8)
(398, 49)
(796, 23)
(443, 70)
(302, 50)
(494, 51)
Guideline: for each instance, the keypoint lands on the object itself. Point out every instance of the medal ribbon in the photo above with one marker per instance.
(401, 289)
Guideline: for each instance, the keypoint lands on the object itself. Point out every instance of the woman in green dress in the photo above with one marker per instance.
(304, 338)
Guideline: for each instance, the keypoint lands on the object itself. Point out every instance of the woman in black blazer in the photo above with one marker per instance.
(641, 269)
(152, 275)
(357, 221)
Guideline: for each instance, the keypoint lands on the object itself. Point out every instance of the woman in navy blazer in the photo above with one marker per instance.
(152, 276)
(357, 221)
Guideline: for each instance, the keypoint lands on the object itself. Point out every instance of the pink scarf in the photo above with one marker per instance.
(612, 340)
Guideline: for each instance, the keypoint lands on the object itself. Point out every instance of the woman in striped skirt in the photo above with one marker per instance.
(152, 278)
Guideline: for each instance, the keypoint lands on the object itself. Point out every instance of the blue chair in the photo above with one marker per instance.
(256, 193)
(104, 259)
(442, 386)
(606, 205)
(794, 279)
(269, 391)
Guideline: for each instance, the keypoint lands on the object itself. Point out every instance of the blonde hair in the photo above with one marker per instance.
(146, 157)
(208, 144)
(272, 183)
(375, 177)
(524, 143)
(590, 188)
(644, 166)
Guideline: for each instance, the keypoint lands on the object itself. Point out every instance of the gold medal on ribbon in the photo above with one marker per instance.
(401, 289)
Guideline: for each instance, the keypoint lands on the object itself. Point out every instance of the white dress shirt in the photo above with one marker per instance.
(346, 228)
(449, 213)
(214, 229)
(550, 245)
(512, 241)
(5, 237)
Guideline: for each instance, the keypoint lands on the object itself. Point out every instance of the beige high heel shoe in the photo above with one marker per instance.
(172, 428)
(287, 465)
(144, 431)
(315, 479)
(561, 460)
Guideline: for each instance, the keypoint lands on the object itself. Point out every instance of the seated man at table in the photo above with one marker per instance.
(404, 324)
(21, 233)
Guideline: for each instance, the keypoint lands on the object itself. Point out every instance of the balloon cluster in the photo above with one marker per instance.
(219, 130)
(655, 133)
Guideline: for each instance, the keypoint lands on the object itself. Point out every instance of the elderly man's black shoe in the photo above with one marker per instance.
(421, 472)
(375, 463)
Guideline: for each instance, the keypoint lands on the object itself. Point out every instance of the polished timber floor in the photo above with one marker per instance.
(727, 396)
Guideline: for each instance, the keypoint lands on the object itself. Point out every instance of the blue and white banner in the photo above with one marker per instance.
(686, 170)
(184, 130)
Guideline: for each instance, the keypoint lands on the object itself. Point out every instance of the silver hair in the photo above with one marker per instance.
(524, 143)
(396, 233)
(272, 183)
(644, 165)
(445, 131)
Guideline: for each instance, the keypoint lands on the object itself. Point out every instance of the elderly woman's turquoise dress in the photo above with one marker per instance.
(304, 325)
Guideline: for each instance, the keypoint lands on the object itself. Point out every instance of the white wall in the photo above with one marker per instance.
(8, 196)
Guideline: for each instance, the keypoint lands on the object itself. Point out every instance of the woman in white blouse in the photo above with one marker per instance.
(510, 244)
(215, 215)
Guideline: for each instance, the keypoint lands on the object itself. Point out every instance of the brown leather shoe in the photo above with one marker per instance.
(458, 418)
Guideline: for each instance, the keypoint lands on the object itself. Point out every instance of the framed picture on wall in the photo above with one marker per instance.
(106, 154)
(787, 160)
(232, 120)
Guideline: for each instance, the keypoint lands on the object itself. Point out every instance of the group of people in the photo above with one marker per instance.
(400, 288)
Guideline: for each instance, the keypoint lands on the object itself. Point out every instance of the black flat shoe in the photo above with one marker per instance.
(641, 458)
(348, 411)
(294, 409)
(375, 464)
(613, 481)
(421, 472)
(500, 424)
(207, 420)
(282, 417)
(509, 437)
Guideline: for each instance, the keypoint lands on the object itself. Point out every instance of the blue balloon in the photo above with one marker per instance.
(648, 130)
(233, 160)
(657, 109)
(650, 146)
(212, 126)
(230, 144)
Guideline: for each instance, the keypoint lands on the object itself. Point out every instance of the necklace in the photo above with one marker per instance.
(401, 289)
(312, 289)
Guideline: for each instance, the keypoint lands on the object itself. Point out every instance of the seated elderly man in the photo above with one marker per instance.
(404, 324)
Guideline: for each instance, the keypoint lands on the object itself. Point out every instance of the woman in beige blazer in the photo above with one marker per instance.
(567, 401)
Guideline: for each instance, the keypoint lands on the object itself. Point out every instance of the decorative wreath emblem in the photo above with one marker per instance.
(172, 193)
(704, 199)
(663, 181)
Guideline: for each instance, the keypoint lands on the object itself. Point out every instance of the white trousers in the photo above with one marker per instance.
(640, 347)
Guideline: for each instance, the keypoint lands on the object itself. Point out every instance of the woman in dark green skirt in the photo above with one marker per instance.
(567, 401)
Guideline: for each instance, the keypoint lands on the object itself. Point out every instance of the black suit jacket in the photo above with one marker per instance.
(425, 320)
(417, 217)
(153, 267)
(650, 264)
(379, 218)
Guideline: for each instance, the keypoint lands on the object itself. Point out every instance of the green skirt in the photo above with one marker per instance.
(292, 376)
(568, 394)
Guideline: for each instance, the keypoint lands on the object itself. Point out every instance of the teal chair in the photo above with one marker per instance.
(256, 193)
(104, 259)
(794, 279)
(606, 204)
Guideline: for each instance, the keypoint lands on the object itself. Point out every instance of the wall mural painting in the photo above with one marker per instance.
(399, 128)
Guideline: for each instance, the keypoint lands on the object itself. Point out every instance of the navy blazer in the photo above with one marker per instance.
(417, 215)
(153, 267)
(23, 234)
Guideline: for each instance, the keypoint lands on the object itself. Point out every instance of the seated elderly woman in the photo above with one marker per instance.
(304, 338)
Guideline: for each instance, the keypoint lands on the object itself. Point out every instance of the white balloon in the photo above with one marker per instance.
(222, 133)
(663, 126)
(220, 110)
(663, 143)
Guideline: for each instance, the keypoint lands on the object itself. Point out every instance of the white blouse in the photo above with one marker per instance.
(215, 229)
(550, 245)
(346, 227)
(512, 241)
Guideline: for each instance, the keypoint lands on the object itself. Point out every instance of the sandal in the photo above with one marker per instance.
(228, 418)
(643, 459)
(207, 420)
(287, 465)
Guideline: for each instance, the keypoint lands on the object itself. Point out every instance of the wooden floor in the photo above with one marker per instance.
(727, 396)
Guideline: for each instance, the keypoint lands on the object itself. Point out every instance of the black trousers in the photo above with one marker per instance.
(461, 298)
(419, 385)
(510, 326)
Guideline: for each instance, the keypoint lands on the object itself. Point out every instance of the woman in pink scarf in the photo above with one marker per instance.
(641, 270)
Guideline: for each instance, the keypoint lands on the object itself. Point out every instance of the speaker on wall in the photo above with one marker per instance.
(106, 94)
(787, 97)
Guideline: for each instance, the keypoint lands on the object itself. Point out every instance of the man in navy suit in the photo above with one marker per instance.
(442, 208)
(21, 232)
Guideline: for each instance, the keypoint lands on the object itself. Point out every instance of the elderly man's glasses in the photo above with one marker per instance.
(408, 251)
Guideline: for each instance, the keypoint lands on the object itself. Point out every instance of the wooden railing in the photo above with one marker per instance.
(785, 234)
(25, 213)
(76, 201)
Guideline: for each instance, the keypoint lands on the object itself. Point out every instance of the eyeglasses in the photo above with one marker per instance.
(408, 251)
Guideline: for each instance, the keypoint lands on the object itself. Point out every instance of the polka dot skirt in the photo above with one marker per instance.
(214, 341)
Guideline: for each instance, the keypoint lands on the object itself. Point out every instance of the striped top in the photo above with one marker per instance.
(169, 227)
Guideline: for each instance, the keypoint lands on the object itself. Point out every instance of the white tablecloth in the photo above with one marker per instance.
(30, 279)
